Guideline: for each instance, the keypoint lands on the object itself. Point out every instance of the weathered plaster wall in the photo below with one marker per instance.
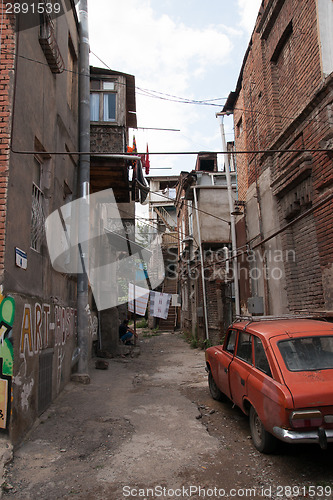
(43, 332)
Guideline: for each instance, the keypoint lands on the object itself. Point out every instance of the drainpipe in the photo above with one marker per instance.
(83, 192)
(202, 264)
(232, 217)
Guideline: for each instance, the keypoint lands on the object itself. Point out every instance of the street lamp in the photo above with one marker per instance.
(239, 205)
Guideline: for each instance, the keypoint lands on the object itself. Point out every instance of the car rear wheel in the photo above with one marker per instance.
(262, 440)
(214, 390)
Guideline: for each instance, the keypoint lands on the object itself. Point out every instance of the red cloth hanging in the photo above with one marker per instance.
(147, 162)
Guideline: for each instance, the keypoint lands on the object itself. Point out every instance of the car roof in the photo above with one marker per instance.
(273, 327)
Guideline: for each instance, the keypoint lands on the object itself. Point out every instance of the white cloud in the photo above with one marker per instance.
(131, 36)
(164, 55)
(248, 12)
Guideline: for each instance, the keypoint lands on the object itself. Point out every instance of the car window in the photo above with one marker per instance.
(260, 358)
(307, 353)
(244, 347)
(230, 345)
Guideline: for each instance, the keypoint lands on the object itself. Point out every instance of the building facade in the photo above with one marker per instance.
(204, 269)
(39, 109)
(39, 175)
(163, 222)
(113, 113)
(282, 109)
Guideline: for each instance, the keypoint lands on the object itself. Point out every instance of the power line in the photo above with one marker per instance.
(179, 100)
(180, 153)
(191, 206)
(167, 97)
(173, 236)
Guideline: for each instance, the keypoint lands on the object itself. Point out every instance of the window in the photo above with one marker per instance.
(244, 347)
(308, 353)
(109, 108)
(94, 107)
(72, 77)
(239, 127)
(37, 210)
(103, 101)
(260, 358)
(230, 346)
(282, 42)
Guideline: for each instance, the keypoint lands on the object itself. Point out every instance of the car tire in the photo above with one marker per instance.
(262, 440)
(214, 390)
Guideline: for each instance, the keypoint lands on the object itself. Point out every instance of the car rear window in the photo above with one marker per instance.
(307, 353)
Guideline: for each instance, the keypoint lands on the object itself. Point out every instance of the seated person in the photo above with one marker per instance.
(126, 334)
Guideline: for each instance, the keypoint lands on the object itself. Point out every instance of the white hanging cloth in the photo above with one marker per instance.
(141, 299)
(159, 304)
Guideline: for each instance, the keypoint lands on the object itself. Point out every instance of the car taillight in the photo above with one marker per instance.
(306, 418)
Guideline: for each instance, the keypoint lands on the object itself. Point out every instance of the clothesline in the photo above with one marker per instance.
(159, 302)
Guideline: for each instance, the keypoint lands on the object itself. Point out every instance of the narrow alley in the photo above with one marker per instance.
(139, 430)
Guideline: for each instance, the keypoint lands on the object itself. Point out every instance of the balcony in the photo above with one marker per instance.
(49, 46)
(170, 239)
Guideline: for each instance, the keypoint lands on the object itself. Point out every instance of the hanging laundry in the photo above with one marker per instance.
(141, 299)
(159, 304)
(147, 162)
(176, 300)
(135, 150)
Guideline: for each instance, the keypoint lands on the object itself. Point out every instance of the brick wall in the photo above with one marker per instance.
(281, 73)
(284, 102)
(7, 62)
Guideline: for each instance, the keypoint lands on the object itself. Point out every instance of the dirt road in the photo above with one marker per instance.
(148, 428)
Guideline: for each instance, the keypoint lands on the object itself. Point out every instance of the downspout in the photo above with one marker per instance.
(232, 217)
(83, 193)
(202, 264)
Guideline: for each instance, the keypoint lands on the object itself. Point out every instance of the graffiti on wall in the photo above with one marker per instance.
(40, 329)
(7, 313)
(34, 338)
(36, 328)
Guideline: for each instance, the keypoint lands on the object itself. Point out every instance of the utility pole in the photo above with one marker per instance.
(204, 296)
(83, 193)
(232, 217)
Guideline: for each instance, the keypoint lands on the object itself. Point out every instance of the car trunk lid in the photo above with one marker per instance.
(311, 389)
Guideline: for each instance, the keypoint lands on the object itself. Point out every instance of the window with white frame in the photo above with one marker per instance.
(103, 101)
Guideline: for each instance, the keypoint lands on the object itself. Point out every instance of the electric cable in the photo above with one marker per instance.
(181, 100)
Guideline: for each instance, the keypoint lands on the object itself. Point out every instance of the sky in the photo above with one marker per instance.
(177, 50)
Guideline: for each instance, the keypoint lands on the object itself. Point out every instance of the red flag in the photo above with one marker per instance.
(134, 145)
(147, 162)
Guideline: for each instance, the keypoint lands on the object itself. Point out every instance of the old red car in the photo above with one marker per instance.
(280, 373)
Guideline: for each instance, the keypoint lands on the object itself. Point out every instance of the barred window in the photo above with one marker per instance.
(37, 218)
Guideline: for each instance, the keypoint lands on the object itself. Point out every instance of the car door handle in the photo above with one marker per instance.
(242, 381)
(226, 370)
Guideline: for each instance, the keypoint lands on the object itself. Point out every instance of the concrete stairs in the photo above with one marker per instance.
(169, 286)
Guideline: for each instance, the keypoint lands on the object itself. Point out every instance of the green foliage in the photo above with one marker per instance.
(207, 343)
(143, 323)
(151, 333)
(194, 343)
(142, 234)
